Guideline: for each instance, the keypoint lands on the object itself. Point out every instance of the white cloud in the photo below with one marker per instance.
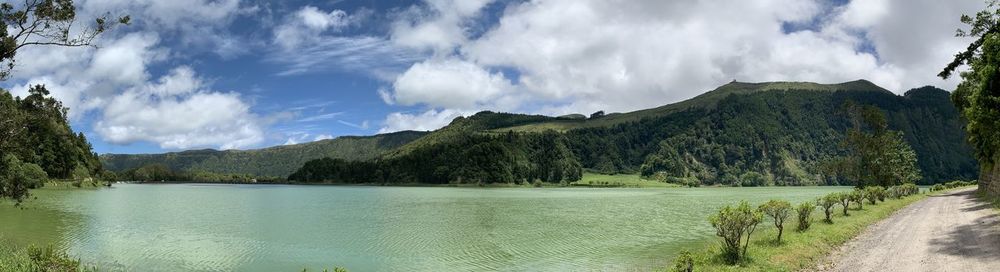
(177, 113)
(310, 40)
(321, 117)
(570, 56)
(307, 25)
(438, 25)
(323, 137)
(428, 120)
(362, 126)
(449, 83)
(200, 24)
(83, 79)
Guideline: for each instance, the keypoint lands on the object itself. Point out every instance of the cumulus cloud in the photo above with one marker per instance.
(439, 25)
(449, 83)
(571, 56)
(428, 120)
(200, 24)
(177, 113)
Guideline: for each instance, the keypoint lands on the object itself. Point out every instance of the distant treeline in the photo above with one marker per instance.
(161, 172)
(469, 159)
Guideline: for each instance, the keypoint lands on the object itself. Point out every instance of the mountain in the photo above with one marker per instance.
(779, 133)
(273, 161)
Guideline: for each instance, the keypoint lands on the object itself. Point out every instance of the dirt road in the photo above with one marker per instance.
(951, 232)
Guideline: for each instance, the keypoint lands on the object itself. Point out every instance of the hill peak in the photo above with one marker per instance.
(748, 87)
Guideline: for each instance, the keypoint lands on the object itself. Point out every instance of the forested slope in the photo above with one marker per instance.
(273, 161)
(779, 133)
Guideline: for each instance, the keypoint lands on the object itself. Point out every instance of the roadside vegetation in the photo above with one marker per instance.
(41, 259)
(771, 249)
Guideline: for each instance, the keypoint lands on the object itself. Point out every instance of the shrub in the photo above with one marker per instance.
(684, 262)
(845, 201)
(732, 224)
(778, 210)
(827, 202)
(51, 259)
(857, 196)
(804, 212)
(872, 194)
(937, 187)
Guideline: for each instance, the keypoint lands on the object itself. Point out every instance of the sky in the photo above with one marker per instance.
(243, 74)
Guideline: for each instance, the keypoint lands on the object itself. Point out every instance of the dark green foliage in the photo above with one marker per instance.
(804, 213)
(38, 143)
(951, 185)
(275, 161)
(900, 191)
(733, 224)
(161, 172)
(875, 154)
(874, 193)
(782, 138)
(472, 159)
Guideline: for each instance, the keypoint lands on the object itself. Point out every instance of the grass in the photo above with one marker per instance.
(619, 180)
(800, 250)
(31, 258)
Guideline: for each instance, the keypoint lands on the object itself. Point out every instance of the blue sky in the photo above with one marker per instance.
(234, 74)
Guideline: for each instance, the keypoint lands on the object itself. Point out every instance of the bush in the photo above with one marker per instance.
(684, 262)
(804, 212)
(778, 210)
(827, 202)
(874, 193)
(845, 201)
(51, 259)
(900, 191)
(857, 196)
(732, 224)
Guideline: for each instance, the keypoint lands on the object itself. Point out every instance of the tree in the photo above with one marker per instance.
(17, 177)
(877, 155)
(845, 201)
(43, 23)
(804, 214)
(597, 114)
(827, 202)
(778, 210)
(857, 196)
(734, 223)
(977, 97)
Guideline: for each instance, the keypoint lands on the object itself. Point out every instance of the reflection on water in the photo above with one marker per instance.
(285, 228)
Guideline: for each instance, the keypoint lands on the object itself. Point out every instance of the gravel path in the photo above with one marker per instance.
(950, 232)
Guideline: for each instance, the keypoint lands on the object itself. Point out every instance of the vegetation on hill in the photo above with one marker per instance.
(978, 96)
(740, 134)
(279, 161)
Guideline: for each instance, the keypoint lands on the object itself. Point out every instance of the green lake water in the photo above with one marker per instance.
(185, 227)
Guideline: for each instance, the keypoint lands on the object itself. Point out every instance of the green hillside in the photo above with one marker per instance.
(272, 161)
(779, 133)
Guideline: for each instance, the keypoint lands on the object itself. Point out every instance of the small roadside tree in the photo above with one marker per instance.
(827, 202)
(777, 210)
(857, 196)
(804, 213)
(873, 193)
(845, 201)
(733, 224)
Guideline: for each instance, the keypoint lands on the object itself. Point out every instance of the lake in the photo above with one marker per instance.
(189, 227)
